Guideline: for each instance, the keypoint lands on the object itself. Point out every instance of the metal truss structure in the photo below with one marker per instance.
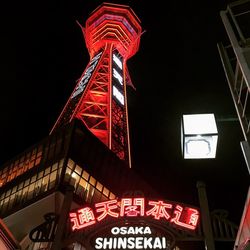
(235, 58)
(99, 100)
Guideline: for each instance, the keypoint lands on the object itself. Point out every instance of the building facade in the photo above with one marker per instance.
(35, 182)
(235, 56)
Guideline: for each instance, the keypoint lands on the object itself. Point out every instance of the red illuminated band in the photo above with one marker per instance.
(83, 218)
(181, 216)
(159, 210)
(106, 208)
(132, 207)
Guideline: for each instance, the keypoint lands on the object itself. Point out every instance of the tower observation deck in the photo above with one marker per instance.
(112, 35)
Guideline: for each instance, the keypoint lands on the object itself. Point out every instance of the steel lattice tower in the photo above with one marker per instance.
(112, 35)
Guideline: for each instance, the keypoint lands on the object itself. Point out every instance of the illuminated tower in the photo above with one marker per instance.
(112, 35)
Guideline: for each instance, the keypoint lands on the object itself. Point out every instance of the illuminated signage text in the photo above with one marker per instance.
(117, 76)
(117, 79)
(129, 242)
(119, 96)
(117, 61)
(164, 211)
(87, 74)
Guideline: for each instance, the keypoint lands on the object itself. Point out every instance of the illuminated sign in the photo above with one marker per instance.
(87, 74)
(117, 78)
(132, 241)
(119, 96)
(164, 211)
(117, 61)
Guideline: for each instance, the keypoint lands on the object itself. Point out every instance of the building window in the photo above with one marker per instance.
(19, 166)
(86, 186)
(31, 187)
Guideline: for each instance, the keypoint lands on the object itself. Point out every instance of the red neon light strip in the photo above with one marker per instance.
(184, 217)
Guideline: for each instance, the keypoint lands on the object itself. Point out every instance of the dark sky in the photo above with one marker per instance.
(176, 71)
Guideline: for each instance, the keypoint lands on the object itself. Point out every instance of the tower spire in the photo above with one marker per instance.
(99, 100)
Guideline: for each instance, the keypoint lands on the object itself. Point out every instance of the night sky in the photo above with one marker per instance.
(176, 71)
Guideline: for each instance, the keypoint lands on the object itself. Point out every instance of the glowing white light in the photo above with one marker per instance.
(119, 96)
(130, 239)
(74, 175)
(200, 136)
(200, 147)
(199, 124)
(117, 61)
(117, 76)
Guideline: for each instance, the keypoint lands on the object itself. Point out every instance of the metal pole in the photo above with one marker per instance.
(246, 152)
(57, 243)
(205, 216)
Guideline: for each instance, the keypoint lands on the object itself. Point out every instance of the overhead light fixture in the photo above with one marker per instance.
(199, 136)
